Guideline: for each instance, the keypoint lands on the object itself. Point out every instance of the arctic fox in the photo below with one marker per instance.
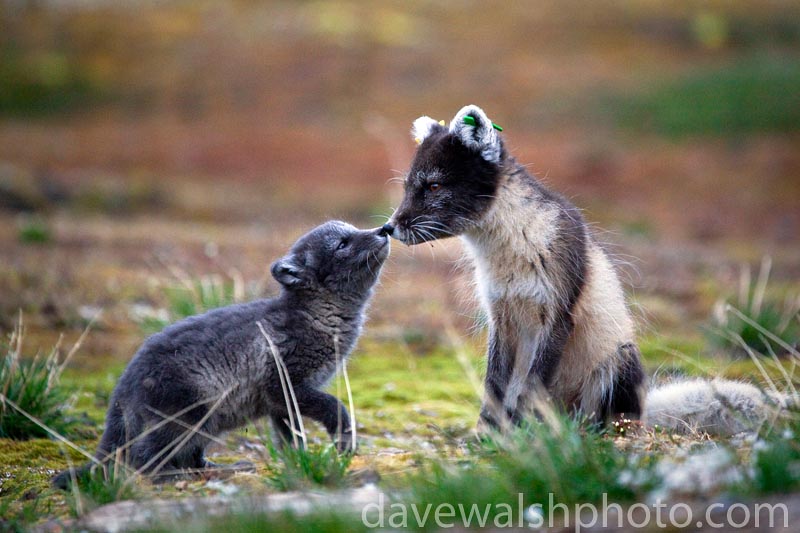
(559, 327)
(217, 371)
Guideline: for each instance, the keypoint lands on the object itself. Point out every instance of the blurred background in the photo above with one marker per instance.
(149, 148)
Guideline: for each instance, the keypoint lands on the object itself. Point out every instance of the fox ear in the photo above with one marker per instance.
(287, 272)
(423, 127)
(476, 131)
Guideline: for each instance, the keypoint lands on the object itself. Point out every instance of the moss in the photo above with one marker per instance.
(35, 452)
(25, 471)
(398, 393)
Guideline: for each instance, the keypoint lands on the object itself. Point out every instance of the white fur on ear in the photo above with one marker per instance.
(481, 137)
(422, 127)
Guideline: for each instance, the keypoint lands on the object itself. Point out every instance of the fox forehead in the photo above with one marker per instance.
(323, 236)
(424, 176)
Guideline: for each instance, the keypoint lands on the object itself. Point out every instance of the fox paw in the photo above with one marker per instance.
(344, 442)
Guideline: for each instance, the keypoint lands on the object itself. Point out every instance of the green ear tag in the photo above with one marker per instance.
(470, 121)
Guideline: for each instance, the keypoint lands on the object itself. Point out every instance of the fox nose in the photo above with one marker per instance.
(386, 229)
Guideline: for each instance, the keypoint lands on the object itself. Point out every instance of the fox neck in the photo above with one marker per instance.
(325, 313)
(518, 222)
(511, 243)
(336, 333)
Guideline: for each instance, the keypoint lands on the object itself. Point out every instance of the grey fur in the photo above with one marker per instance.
(217, 371)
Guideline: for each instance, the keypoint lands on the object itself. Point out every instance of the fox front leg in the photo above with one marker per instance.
(522, 361)
(330, 412)
(500, 363)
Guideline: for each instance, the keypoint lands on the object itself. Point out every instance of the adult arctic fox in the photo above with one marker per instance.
(559, 327)
(217, 371)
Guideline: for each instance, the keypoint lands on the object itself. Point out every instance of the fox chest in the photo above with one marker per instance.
(511, 269)
(516, 283)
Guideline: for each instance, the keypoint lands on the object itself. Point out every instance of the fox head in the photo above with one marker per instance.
(453, 178)
(335, 259)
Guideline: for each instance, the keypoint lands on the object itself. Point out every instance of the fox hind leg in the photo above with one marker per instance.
(627, 391)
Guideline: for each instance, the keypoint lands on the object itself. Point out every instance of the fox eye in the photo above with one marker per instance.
(433, 187)
(342, 245)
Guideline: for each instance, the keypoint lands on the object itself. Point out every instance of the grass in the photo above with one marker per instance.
(737, 329)
(750, 95)
(307, 468)
(99, 486)
(319, 521)
(35, 84)
(18, 520)
(33, 230)
(776, 455)
(31, 397)
(559, 456)
(189, 296)
(776, 460)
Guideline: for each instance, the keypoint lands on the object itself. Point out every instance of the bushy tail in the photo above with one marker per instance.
(717, 407)
(114, 437)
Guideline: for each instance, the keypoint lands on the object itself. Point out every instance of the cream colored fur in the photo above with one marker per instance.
(514, 235)
(602, 324)
(502, 255)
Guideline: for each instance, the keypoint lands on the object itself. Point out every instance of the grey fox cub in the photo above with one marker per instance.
(216, 371)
